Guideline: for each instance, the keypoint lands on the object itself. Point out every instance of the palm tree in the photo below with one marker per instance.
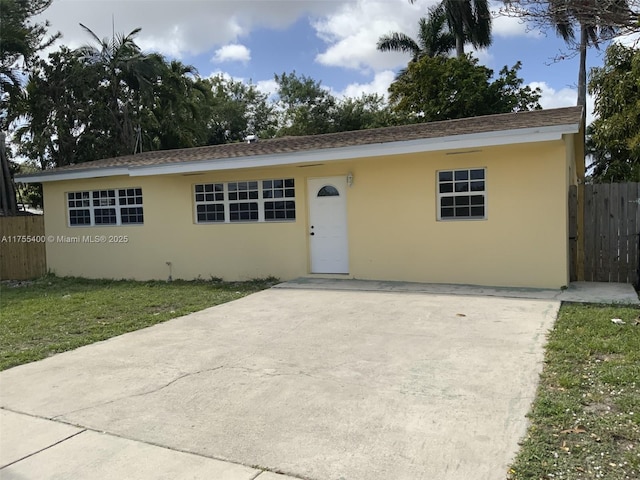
(20, 40)
(180, 111)
(469, 21)
(128, 77)
(567, 13)
(432, 40)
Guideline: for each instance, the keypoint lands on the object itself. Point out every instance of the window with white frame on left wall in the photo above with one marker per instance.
(119, 206)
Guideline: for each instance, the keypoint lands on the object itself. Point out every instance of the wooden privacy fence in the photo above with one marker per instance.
(611, 228)
(22, 247)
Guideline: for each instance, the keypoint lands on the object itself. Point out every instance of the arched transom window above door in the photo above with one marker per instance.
(328, 191)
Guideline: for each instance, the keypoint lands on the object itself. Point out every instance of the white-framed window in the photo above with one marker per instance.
(119, 206)
(462, 194)
(243, 201)
(279, 199)
(210, 205)
(246, 201)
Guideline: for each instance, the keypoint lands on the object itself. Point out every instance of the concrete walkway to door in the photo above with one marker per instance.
(319, 384)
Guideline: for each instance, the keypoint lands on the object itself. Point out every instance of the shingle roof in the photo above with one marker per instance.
(285, 145)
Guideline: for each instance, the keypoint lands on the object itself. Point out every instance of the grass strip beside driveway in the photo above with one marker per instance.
(52, 314)
(585, 421)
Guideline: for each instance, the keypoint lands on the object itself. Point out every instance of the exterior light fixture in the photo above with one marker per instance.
(350, 179)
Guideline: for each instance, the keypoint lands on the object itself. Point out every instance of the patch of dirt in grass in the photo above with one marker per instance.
(599, 408)
(161, 309)
(607, 357)
(623, 443)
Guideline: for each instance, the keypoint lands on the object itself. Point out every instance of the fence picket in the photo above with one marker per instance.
(589, 232)
(633, 230)
(573, 233)
(623, 231)
(614, 233)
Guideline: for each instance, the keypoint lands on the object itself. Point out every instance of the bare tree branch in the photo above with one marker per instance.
(621, 17)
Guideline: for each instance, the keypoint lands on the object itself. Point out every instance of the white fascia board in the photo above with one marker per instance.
(73, 175)
(454, 142)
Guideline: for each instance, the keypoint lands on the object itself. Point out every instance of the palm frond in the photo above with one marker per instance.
(565, 30)
(434, 37)
(398, 42)
(90, 32)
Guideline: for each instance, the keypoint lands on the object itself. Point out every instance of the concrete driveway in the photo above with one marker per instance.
(311, 383)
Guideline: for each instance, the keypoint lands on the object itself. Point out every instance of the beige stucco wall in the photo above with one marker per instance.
(393, 229)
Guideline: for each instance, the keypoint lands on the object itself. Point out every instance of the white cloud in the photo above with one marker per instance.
(176, 27)
(349, 28)
(565, 97)
(226, 76)
(483, 55)
(591, 101)
(270, 87)
(631, 40)
(552, 98)
(513, 27)
(232, 53)
(379, 84)
(352, 31)
(510, 26)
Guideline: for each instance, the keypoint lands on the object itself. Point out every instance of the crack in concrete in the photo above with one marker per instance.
(42, 449)
(378, 387)
(260, 470)
(140, 394)
(272, 374)
(261, 372)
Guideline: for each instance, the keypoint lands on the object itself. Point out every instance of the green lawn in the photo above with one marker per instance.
(585, 421)
(52, 314)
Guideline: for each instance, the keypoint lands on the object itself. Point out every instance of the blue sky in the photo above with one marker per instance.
(328, 40)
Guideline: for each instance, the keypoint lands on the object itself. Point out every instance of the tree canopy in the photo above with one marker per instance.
(469, 21)
(110, 99)
(20, 41)
(439, 88)
(434, 38)
(307, 108)
(614, 136)
(84, 105)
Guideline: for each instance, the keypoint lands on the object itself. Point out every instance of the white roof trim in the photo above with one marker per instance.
(73, 175)
(454, 142)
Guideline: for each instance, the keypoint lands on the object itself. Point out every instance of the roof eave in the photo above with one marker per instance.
(72, 175)
(453, 142)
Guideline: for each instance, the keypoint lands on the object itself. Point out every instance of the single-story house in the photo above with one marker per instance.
(479, 200)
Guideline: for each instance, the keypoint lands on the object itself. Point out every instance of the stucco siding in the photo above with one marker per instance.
(523, 241)
(170, 234)
(393, 229)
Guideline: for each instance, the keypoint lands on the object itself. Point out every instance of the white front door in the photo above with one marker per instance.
(328, 242)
